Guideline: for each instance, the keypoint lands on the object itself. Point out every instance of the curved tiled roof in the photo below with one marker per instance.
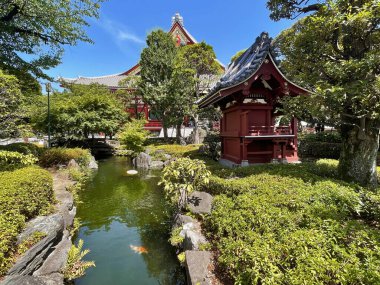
(245, 65)
(108, 80)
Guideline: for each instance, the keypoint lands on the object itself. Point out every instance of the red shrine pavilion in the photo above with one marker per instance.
(181, 36)
(248, 95)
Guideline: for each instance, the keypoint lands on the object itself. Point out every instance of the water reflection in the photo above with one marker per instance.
(118, 211)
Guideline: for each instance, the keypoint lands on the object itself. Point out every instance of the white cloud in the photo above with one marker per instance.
(120, 32)
(127, 36)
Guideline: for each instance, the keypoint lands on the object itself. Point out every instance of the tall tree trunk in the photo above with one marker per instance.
(178, 132)
(359, 153)
(165, 127)
(196, 129)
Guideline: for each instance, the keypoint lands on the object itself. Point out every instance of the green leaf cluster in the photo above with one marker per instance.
(24, 148)
(33, 33)
(183, 174)
(75, 266)
(24, 194)
(133, 136)
(10, 160)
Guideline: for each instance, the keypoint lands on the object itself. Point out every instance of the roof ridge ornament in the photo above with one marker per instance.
(177, 18)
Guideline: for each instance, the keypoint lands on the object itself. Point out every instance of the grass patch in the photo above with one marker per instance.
(175, 150)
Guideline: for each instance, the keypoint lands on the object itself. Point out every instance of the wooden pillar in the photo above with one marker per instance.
(244, 156)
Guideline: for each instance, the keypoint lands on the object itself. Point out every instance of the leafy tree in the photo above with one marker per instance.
(40, 29)
(157, 66)
(82, 111)
(11, 117)
(335, 51)
(200, 60)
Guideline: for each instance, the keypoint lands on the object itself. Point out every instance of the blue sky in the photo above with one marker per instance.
(120, 33)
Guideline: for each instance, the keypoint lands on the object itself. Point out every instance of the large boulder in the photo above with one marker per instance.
(73, 164)
(197, 263)
(181, 220)
(143, 160)
(35, 256)
(200, 202)
(45, 224)
(93, 164)
(53, 279)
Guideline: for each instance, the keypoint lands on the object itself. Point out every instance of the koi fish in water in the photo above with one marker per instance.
(138, 249)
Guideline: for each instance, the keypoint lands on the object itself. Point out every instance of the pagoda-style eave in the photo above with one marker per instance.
(267, 68)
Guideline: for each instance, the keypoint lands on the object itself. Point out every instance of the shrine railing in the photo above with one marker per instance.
(269, 130)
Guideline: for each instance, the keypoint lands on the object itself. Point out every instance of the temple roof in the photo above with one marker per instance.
(244, 68)
(111, 81)
(245, 65)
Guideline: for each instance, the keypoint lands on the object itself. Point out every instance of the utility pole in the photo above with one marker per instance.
(48, 90)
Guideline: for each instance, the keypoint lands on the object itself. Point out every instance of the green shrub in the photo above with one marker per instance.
(212, 144)
(328, 137)
(319, 149)
(183, 176)
(24, 148)
(278, 229)
(10, 160)
(56, 156)
(24, 194)
(133, 135)
(176, 150)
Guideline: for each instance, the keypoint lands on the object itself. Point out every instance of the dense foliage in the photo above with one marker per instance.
(294, 224)
(10, 160)
(81, 111)
(212, 145)
(320, 145)
(133, 136)
(62, 156)
(10, 112)
(40, 29)
(24, 194)
(335, 52)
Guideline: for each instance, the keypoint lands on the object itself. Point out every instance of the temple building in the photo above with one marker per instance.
(181, 36)
(248, 95)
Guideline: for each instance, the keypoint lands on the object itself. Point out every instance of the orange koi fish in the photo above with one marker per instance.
(139, 249)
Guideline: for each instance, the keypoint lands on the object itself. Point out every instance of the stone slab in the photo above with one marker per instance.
(197, 263)
(200, 202)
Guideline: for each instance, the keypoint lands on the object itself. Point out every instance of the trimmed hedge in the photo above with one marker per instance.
(24, 194)
(175, 150)
(56, 156)
(24, 148)
(282, 230)
(328, 137)
(319, 149)
(10, 160)
(294, 224)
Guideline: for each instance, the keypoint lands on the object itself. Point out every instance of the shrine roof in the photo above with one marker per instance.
(245, 65)
(111, 81)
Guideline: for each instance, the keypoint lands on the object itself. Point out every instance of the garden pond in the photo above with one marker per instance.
(126, 225)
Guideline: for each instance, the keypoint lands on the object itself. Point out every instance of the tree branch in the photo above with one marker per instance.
(12, 13)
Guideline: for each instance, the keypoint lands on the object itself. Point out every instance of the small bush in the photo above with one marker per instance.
(213, 146)
(24, 148)
(24, 194)
(10, 160)
(133, 135)
(56, 156)
(75, 266)
(183, 176)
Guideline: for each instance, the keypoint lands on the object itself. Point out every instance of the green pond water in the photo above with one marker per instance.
(120, 211)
